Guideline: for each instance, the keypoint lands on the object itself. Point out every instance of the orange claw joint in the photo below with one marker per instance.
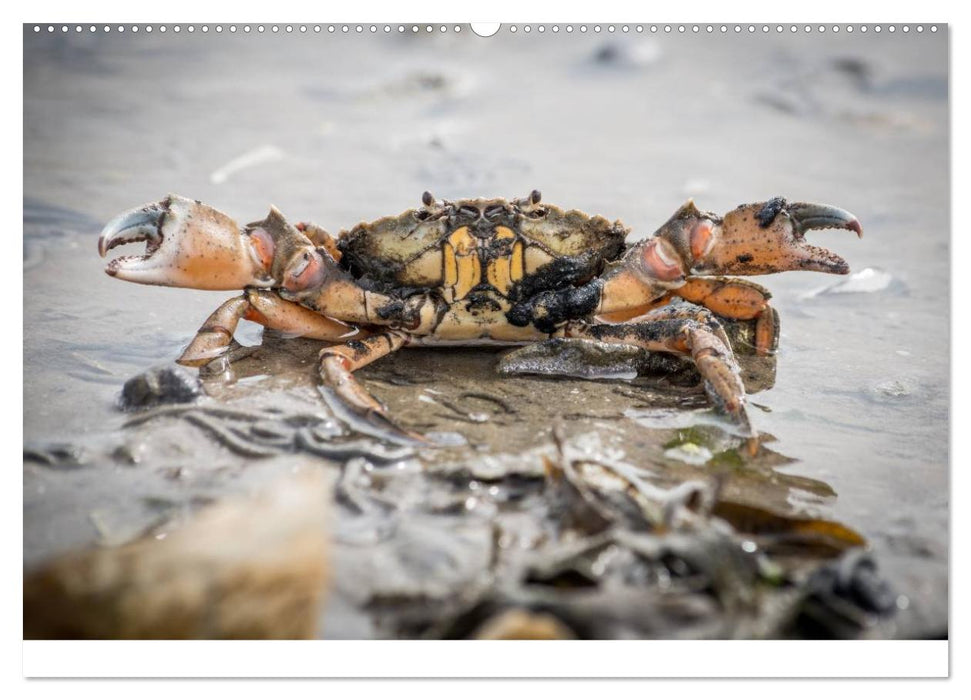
(758, 239)
(190, 244)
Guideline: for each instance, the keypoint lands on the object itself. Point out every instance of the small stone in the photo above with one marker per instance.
(162, 385)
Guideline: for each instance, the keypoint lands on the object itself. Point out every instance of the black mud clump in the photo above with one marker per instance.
(170, 384)
(548, 309)
(769, 211)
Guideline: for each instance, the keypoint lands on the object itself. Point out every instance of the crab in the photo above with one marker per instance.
(480, 272)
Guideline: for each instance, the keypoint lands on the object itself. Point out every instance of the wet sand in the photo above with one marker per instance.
(338, 129)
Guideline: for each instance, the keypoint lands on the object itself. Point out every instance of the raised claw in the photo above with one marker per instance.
(757, 239)
(771, 237)
(189, 244)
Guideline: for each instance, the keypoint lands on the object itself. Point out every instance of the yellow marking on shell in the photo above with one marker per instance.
(497, 273)
(462, 267)
(516, 263)
(470, 273)
(463, 240)
(502, 272)
(498, 270)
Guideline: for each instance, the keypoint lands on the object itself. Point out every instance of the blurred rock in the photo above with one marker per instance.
(845, 597)
(246, 569)
(161, 385)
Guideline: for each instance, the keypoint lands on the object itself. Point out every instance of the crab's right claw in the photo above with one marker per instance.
(758, 239)
(189, 244)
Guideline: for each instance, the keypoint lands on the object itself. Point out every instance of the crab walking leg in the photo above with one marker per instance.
(738, 299)
(726, 296)
(350, 401)
(215, 338)
(687, 330)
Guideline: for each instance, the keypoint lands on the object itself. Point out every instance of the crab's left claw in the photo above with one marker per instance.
(189, 244)
(766, 237)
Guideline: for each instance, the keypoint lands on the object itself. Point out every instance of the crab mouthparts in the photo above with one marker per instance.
(141, 224)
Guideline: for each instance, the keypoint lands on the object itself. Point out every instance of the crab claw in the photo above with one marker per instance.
(766, 237)
(189, 244)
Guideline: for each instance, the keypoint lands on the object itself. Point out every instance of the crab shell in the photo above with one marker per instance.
(515, 248)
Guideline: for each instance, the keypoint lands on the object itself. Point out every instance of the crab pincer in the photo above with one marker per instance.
(188, 244)
(767, 237)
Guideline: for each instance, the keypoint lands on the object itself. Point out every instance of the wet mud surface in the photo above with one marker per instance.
(558, 506)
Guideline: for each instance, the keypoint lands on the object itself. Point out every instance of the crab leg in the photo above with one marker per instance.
(738, 299)
(350, 401)
(687, 330)
(215, 338)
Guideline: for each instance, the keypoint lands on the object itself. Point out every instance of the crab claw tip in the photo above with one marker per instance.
(139, 224)
(808, 217)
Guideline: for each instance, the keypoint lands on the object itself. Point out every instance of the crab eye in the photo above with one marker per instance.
(468, 212)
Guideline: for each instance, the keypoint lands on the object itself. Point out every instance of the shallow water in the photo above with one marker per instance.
(337, 129)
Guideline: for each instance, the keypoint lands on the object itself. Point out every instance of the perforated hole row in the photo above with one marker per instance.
(252, 28)
(512, 28)
(721, 28)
